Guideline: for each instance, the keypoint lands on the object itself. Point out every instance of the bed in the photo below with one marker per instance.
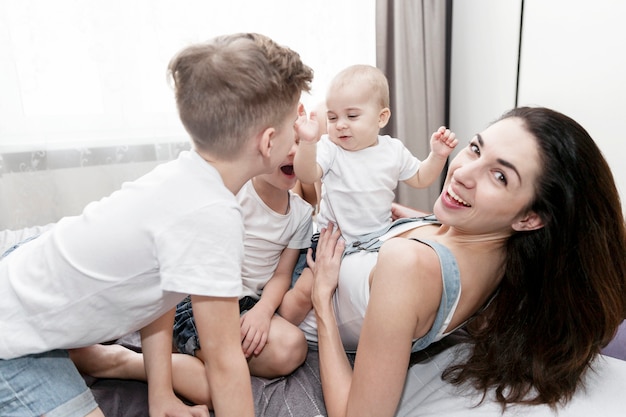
(425, 394)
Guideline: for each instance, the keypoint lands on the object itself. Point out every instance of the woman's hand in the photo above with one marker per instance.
(325, 268)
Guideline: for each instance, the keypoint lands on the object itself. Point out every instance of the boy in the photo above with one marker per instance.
(127, 260)
(359, 168)
(277, 225)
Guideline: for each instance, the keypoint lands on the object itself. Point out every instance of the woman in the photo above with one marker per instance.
(529, 212)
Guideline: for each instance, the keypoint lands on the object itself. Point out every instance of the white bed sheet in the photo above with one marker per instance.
(425, 394)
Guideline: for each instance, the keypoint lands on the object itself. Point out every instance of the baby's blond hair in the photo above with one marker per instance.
(370, 77)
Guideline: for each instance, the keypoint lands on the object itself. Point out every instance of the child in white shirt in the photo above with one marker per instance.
(359, 168)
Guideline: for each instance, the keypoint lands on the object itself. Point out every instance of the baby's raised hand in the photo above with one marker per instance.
(307, 128)
(443, 141)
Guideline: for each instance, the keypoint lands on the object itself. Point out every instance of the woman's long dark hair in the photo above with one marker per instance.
(563, 293)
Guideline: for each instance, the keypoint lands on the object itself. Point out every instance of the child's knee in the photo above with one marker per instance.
(290, 353)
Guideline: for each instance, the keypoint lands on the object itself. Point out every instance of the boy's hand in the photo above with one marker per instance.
(307, 128)
(443, 142)
(255, 328)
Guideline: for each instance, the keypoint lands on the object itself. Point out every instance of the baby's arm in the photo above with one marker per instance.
(255, 324)
(305, 162)
(442, 143)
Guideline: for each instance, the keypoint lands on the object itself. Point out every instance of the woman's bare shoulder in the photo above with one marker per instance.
(411, 255)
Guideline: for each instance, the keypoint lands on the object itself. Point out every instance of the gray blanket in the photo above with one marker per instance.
(296, 395)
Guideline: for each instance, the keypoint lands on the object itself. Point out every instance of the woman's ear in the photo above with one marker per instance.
(383, 117)
(530, 221)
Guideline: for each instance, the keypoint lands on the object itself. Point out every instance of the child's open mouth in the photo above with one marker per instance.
(287, 169)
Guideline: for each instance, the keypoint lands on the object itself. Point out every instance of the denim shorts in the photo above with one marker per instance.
(46, 383)
(185, 332)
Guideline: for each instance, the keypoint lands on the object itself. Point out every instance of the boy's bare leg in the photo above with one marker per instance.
(109, 361)
(297, 303)
(116, 361)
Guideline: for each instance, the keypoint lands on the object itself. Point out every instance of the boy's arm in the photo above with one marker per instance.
(277, 286)
(309, 192)
(259, 317)
(156, 342)
(217, 322)
(442, 143)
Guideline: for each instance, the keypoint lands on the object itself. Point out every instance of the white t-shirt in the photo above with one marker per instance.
(358, 186)
(267, 234)
(123, 262)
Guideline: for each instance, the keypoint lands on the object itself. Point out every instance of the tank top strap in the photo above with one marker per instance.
(451, 280)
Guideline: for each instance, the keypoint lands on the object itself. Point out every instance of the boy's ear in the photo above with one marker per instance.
(266, 141)
(383, 117)
(530, 221)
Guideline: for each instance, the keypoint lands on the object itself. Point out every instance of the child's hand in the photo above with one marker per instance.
(443, 141)
(255, 327)
(307, 128)
(399, 211)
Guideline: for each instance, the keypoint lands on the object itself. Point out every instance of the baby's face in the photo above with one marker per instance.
(354, 117)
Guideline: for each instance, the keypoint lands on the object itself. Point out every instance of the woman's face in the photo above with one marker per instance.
(492, 181)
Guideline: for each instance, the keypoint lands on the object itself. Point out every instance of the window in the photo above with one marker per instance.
(83, 73)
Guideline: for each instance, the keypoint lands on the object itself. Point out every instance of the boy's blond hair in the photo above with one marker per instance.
(234, 86)
(369, 77)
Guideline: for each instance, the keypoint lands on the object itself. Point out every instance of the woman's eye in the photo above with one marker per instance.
(474, 148)
(501, 177)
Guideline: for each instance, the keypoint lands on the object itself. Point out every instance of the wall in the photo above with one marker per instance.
(572, 60)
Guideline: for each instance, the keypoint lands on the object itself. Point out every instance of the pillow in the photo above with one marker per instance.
(617, 347)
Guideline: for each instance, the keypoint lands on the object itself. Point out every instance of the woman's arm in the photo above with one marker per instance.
(403, 304)
(335, 370)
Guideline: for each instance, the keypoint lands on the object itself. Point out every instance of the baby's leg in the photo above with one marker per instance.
(297, 301)
(284, 352)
